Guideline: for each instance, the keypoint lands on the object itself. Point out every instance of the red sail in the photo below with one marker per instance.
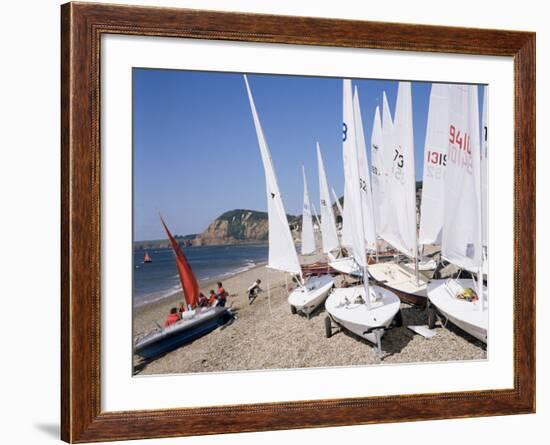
(189, 283)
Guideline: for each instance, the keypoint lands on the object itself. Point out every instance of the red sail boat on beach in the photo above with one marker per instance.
(147, 258)
(195, 321)
(189, 283)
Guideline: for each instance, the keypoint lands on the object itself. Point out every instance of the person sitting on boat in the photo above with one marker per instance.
(182, 307)
(213, 298)
(203, 301)
(253, 289)
(172, 318)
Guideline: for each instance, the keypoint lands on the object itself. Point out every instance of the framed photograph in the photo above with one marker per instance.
(274, 222)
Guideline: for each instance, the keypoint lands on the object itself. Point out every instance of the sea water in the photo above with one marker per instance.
(159, 279)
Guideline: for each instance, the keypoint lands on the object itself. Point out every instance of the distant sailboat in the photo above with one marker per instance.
(399, 216)
(366, 310)
(282, 255)
(147, 258)
(195, 321)
(463, 227)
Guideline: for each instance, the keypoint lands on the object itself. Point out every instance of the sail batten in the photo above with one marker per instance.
(282, 252)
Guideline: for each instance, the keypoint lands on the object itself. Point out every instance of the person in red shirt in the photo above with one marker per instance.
(212, 298)
(172, 318)
(221, 293)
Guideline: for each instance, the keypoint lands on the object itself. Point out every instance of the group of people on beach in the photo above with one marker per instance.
(216, 297)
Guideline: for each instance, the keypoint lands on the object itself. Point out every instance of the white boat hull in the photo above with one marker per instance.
(308, 297)
(194, 324)
(357, 317)
(466, 315)
(402, 280)
(346, 265)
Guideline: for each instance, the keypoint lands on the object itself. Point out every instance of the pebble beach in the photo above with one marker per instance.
(265, 335)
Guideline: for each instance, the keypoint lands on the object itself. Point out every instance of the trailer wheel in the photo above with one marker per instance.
(328, 327)
(432, 318)
(398, 320)
(292, 309)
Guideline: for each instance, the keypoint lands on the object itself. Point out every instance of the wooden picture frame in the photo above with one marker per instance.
(82, 26)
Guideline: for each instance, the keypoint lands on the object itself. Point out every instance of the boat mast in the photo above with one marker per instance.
(316, 215)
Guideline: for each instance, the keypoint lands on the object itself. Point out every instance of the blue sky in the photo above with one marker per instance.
(195, 149)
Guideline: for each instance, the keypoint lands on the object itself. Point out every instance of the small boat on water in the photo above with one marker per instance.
(194, 322)
(147, 258)
(311, 291)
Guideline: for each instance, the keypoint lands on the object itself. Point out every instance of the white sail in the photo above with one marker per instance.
(377, 181)
(346, 216)
(282, 252)
(382, 160)
(484, 172)
(353, 178)
(400, 228)
(308, 239)
(328, 224)
(364, 176)
(354, 202)
(435, 158)
(337, 202)
(461, 238)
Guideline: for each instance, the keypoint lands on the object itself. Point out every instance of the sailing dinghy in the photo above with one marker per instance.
(397, 209)
(312, 291)
(336, 254)
(195, 321)
(147, 258)
(366, 310)
(463, 302)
